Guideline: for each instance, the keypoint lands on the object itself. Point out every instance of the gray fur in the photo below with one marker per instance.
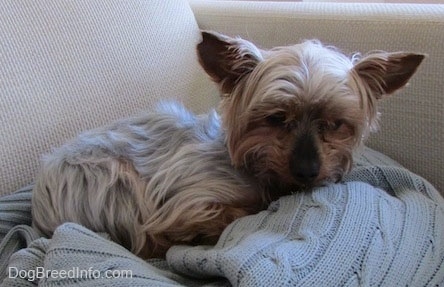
(149, 181)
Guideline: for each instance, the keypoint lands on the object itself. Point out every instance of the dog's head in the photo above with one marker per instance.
(293, 115)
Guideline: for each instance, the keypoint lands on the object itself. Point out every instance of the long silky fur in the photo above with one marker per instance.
(171, 177)
(159, 179)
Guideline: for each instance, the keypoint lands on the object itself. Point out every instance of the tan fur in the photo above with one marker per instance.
(290, 119)
(319, 93)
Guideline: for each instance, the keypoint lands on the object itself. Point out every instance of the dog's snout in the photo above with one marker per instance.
(306, 171)
(305, 164)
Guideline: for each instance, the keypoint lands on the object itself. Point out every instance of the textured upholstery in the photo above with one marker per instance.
(67, 66)
(70, 65)
(412, 126)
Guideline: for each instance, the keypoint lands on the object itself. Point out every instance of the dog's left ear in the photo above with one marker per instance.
(385, 73)
(227, 59)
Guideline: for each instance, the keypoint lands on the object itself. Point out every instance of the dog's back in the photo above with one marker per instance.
(147, 181)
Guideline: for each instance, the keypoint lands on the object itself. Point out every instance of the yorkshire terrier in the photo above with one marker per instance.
(290, 119)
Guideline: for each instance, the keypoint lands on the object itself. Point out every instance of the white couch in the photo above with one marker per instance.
(67, 66)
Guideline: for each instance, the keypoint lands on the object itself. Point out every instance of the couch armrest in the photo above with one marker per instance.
(412, 122)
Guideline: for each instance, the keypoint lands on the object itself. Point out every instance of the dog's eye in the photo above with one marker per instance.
(277, 119)
(329, 126)
(336, 125)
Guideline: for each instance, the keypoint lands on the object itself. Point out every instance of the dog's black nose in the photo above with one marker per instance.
(305, 164)
(306, 171)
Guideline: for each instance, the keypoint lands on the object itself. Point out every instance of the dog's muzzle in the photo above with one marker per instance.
(305, 163)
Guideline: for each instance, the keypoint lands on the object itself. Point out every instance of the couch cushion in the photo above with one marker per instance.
(67, 66)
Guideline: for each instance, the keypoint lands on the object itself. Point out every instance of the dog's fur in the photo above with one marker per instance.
(290, 119)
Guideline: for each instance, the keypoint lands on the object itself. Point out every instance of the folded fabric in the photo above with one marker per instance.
(15, 209)
(15, 221)
(349, 234)
(381, 226)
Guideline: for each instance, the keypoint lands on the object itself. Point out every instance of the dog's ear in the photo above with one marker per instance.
(226, 59)
(385, 73)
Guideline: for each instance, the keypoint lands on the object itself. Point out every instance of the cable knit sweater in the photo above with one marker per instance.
(382, 226)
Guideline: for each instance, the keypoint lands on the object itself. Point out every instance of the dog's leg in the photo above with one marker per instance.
(196, 194)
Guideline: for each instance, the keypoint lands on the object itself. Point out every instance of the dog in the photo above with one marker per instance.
(290, 119)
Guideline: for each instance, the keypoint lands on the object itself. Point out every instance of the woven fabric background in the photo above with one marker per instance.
(68, 66)
(412, 126)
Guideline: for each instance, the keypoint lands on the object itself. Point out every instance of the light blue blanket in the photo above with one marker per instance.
(382, 226)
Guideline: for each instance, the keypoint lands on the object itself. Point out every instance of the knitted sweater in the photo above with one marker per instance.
(382, 226)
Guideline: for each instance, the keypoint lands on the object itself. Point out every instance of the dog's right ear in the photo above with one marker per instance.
(226, 59)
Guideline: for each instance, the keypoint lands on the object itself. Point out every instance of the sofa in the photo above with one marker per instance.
(68, 66)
